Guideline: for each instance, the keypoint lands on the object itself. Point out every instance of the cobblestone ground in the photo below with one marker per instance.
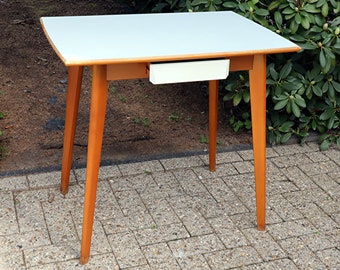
(175, 214)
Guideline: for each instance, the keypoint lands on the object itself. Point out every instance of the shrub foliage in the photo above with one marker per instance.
(303, 88)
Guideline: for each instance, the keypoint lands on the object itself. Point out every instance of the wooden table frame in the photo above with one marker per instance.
(75, 47)
(256, 64)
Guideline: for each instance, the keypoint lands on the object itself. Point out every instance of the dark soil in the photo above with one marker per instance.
(142, 120)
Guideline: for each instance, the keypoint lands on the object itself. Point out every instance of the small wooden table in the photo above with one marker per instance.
(119, 47)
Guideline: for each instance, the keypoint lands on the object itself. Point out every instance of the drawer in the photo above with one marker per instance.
(189, 71)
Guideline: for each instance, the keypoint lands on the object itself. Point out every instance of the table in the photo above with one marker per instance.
(119, 47)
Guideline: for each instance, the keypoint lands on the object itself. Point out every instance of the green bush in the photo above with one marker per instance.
(303, 88)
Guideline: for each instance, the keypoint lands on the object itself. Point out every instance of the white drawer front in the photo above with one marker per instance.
(189, 71)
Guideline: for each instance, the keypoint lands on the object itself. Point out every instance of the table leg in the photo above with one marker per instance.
(96, 129)
(257, 78)
(75, 74)
(213, 111)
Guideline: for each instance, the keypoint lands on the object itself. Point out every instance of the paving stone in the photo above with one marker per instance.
(195, 245)
(140, 167)
(331, 257)
(264, 244)
(47, 179)
(12, 260)
(142, 267)
(219, 190)
(301, 255)
(103, 261)
(298, 177)
(306, 196)
(291, 149)
(50, 266)
(318, 156)
(319, 167)
(59, 223)
(160, 234)
(127, 223)
(334, 154)
(249, 154)
(130, 202)
(283, 208)
(291, 160)
(248, 220)
(244, 166)
(24, 240)
(190, 182)
(8, 219)
(105, 172)
(317, 217)
(237, 257)
(320, 241)
(224, 169)
(13, 183)
(141, 183)
(335, 176)
(326, 183)
(126, 250)
(292, 228)
(273, 173)
(165, 179)
(160, 210)
(224, 157)
(193, 262)
(285, 264)
(228, 232)
(160, 254)
(193, 221)
(183, 162)
(30, 214)
(51, 254)
(244, 194)
(246, 179)
(280, 187)
(99, 243)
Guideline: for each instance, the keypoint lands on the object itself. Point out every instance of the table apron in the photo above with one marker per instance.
(125, 71)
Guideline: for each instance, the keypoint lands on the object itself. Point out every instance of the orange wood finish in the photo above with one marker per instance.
(256, 64)
(213, 109)
(75, 75)
(257, 80)
(96, 129)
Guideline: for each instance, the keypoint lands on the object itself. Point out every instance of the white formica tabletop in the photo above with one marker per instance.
(108, 39)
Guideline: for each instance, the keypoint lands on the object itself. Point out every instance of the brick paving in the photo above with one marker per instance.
(175, 214)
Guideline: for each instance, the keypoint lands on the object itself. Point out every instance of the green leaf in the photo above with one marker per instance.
(317, 91)
(237, 99)
(311, 9)
(322, 58)
(325, 145)
(286, 69)
(305, 22)
(324, 9)
(278, 18)
(286, 126)
(262, 12)
(295, 109)
(199, 2)
(230, 5)
(336, 85)
(281, 104)
(300, 101)
(286, 137)
(328, 113)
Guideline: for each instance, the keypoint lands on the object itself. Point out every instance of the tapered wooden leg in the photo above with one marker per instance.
(258, 117)
(75, 74)
(96, 129)
(213, 111)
